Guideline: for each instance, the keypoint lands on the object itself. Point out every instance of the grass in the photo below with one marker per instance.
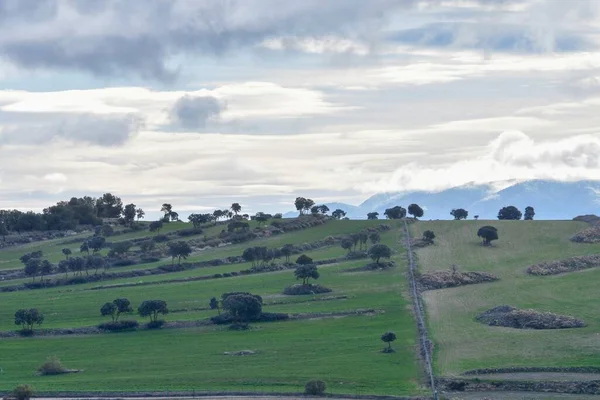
(342, 351)
(461, 343)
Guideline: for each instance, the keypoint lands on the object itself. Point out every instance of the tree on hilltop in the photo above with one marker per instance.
(373, 215)
(236, 208)
(509, 213)
(338, 213)
(396, 212)
(415, 210)
(529, 213)
(459, 213)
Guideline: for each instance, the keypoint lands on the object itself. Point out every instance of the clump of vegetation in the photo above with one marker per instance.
(22, 392)
(119, 326)
(445, 279)
(512, 317)
(415, 210)
(529, 213)
(53, 366)
(396, 212)
(588, 235)
(428, 236)
(315, 388)
(567, 265)
(388, 338)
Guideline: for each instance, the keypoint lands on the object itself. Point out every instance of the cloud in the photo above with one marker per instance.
(38, 129)
(193, 112)
(113, 37)
(511, 155)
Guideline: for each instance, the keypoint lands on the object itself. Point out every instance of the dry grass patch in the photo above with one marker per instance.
(527, 319)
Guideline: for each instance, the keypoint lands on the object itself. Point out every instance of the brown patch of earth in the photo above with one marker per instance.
(515, 396)
(539, 376)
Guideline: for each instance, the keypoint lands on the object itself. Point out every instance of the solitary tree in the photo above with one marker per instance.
(428, 236)
(459, 213)
(242, 307)
(179, 250)
(152, 308)
(67, 252)
(476, 217)
(529, 213)
(374, 237)
(305, 272)
(28, 318)
(396, 212)
(167, 209)
(236, 208)
(373, 215)
(379, 251)
(304, 260)
(415, 210)
(214, 305)
(487, 233)
(338, 214)
(388, 338)
(509, 212)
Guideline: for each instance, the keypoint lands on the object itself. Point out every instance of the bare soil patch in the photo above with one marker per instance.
(563, 266)
(445, 279)
(527, 319)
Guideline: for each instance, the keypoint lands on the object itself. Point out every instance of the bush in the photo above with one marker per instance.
(149, 259)
(155, 324)
(189, 232)
(76, 280)
(315, 388)
(239, 326)
(160, 238)
(296, 290)
(52, 366)
(119, 326)
(123, 263)
(22, 392)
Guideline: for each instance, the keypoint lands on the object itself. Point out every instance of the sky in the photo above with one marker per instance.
(201, 103)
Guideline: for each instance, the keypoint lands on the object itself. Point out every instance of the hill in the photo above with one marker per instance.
(552, 200)
(332, 336)
(462, 343)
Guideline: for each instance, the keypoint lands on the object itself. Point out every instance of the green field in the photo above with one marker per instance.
(343, 351)
(461, 343)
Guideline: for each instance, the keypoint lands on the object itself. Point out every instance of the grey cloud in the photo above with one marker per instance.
(192, 112)
(140, 37)
(35, 129)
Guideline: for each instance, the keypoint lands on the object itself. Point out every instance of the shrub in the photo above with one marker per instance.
(309, 289)
(315, 388)
(52, 366)
(155, 324)
(119, 326)
(239, 326)
(123, 263)
(160, 238)
(149, 259)
(189, 232)
(22, 392)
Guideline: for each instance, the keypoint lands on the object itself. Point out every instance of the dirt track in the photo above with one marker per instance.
(539, 376)
(517, 396)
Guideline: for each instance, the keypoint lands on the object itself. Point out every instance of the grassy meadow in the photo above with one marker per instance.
(461, 343)
(343, 351)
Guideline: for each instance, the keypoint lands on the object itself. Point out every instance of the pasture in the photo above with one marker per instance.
(461, 343)
(343, 351)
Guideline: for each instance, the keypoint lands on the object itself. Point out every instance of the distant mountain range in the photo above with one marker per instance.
(550, 199)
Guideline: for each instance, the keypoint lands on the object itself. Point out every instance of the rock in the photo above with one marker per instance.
(240, 353)
(512, 317)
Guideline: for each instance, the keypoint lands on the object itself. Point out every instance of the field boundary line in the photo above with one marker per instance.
(424, 342)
